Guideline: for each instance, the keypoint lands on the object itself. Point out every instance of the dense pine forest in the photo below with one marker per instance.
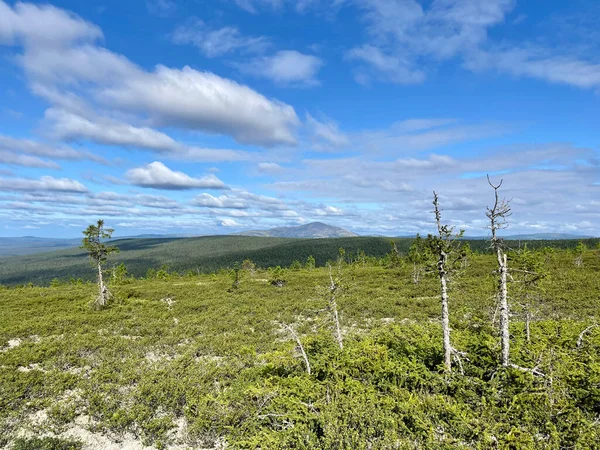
(213, 253)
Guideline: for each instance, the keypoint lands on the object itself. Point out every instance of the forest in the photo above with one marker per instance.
(349, 356)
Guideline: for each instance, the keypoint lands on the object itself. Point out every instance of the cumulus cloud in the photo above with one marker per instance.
(223, 201)
(45, 183)
(217, 42)
(43, 25)
(61, 52)
(67, 125)
(34, 148)
(14, 159)
(158, 176)
(228, 223)
(202, 100)
(286, 67)
(70, 126)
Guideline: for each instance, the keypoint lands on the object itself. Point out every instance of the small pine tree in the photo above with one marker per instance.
(418, 256)
(578, 252)
(98, 253)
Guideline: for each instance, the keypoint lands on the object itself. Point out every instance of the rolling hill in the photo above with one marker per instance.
(211, 253)
(307, 231)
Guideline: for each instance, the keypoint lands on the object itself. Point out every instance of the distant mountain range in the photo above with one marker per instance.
(26, 245)
(308, 231)
(533, 237)
(14, 246)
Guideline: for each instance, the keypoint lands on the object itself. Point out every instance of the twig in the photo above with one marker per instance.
(582, 334)
(297, 339)
(533, 371)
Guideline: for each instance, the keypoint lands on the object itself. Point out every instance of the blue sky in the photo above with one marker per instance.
(211, 117)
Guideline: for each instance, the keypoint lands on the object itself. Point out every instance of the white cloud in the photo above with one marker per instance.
(537, 63)
(188, 98)
(326, 135)
(228, 223)
(161, 8)
(286, 67)
(325, 210)
(61, 57)
(269, 168)
(407, 36)
(217, 42)
(158, 176)
(66, 125)
(29, 147)
(251, 5)
(70, 126)
(15, 159)
(392, 68)
(45, 183)
(423, 134)
(223, 201)
(43, 25)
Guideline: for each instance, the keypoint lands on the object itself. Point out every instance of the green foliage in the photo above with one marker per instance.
(92, 242)
(310, 262)
(119, 274)
(227, 369)
(296, 265)
(163, 273)
(235, 276)
(249, 266)
(277, 276)
(47, 443)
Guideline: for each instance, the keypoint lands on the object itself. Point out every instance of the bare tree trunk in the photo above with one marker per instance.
(445, 315)
(582, 334)
(103, 292)
(441, 267)
(333, 306)
(101, 301)
(503, 304)
(497, 216)
(416, 273)
(300, 346)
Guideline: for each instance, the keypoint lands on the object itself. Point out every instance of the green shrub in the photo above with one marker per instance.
(47, 443)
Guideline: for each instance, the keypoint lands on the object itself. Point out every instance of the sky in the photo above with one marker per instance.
(212, 117)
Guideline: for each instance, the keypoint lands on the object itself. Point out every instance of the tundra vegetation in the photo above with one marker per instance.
(352, 355)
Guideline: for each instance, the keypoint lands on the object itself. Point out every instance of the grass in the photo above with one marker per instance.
(215, 365)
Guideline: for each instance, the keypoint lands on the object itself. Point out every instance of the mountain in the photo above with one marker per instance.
(308, 231)
(13, 246)
(544, 237)
(27, 245)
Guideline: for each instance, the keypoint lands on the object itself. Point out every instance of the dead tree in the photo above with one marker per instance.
(417, 256)
(448, 254)
(333, 290)
(300, 346)
(583, 333)
(497, 216)
(98, 253)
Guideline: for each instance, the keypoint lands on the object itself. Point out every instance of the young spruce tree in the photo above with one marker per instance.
(98, 253)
